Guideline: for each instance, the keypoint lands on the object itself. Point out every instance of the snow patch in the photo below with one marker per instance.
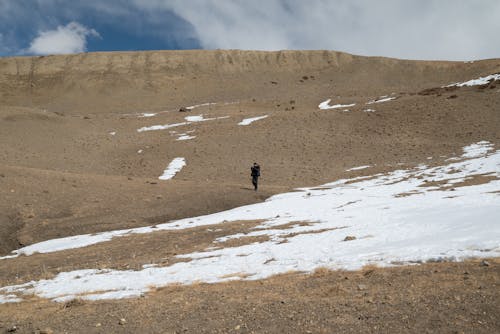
(477, 82)
(189, 120)
(9, 299)
(201, 105)
(161, 127)
(477, 150)
(248, 121)
(173, 168)
(147, 114)
(198, 118)
(381, 99)
(326, 105)
(184, 136)
(358, 168)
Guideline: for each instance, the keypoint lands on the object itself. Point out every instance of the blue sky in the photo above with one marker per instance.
(414, 29)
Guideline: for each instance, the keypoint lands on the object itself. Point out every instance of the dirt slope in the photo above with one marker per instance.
(131, 81)
(73, 162)
(58, 114)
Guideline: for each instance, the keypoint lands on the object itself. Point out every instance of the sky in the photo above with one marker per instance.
(410, 29)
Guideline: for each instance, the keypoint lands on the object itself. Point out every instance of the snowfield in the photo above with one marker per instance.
(405, 216)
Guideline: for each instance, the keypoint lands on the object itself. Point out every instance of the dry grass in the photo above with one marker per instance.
(235, 275)
(74, 303)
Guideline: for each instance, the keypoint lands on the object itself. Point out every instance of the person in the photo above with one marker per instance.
(255, 173)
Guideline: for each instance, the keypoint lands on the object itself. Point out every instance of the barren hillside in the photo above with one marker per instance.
(84, 139)
(129, 81)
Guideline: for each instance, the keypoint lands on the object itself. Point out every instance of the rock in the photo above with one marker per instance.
(183, 109)
(362, 287)
(237, 327)
(122, 321)
(12, 329)
(74, 302)
(349, 238)
(46, 331)
(484, 263)
(98, 324)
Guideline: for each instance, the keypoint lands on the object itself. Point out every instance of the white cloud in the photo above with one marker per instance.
(415, 29)
(71, 38)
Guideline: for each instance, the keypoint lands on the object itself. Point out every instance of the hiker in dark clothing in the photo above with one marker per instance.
(255, 173)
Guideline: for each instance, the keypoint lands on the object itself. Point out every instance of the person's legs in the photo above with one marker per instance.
(254, 182)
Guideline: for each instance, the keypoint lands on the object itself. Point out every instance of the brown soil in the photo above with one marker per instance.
(62, 173)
